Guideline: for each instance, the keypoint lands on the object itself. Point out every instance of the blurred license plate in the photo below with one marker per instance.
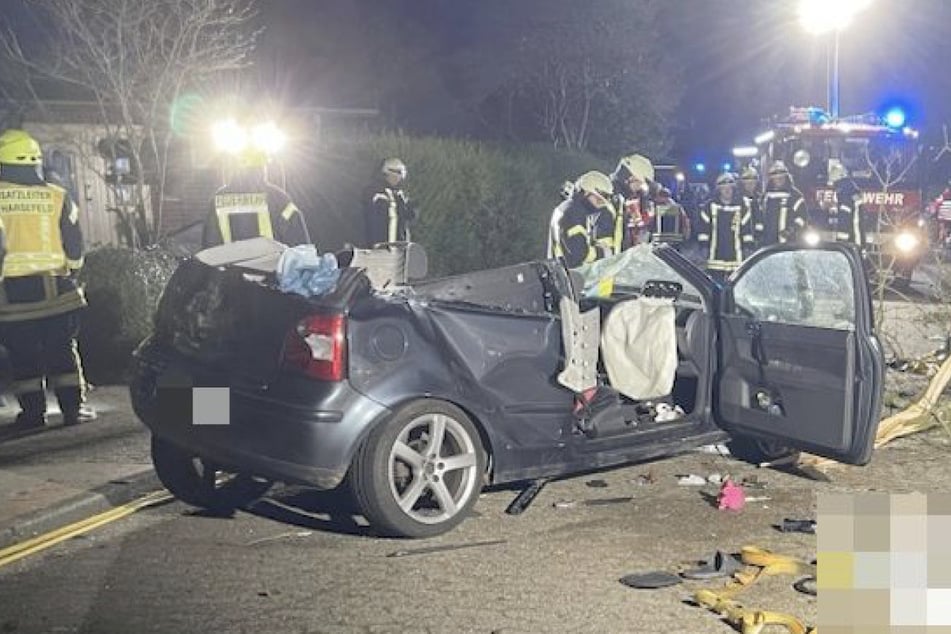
(211, 406)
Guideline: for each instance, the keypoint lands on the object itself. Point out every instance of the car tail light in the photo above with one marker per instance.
(317, 346)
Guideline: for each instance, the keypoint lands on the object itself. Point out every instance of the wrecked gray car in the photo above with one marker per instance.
(418, 393)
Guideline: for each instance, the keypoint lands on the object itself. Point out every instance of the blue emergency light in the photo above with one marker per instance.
(895, 118)
(700, 167)
(727, 167)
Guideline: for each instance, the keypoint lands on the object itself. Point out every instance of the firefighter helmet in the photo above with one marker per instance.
(17, 147)
(394, 166)
(749, 174)
(594, 183)
(837, 171)
(634, 165)
(726, 178)
(778, 167)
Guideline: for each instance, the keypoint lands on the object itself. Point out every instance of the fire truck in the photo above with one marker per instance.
(881, 158)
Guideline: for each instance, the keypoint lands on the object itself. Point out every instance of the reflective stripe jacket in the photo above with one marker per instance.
(44, 247)
(725, 232)
(581, 234)
(251, 208)
(387, 215)
(783, 211)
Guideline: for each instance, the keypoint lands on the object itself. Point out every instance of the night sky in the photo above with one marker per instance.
(741, 61)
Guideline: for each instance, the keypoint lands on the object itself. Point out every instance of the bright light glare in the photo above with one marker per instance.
(680, 177)
(822, 16)
(895, 118)
(765, 137)
(229, 136)
(906, 242)
(268, 137)
(811, 238)
(727, 167)
(745, 151)
(700, 167)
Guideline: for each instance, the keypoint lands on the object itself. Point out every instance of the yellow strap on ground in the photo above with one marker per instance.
(760, 562)
(31, 546)
(749, 621)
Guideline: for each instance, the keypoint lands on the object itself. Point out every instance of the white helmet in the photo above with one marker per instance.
(395, 167)
(837, 171)
(595, 183)
(634, 165)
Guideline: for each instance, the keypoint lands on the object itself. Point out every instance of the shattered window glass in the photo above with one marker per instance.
(627, 272)
(803, 288)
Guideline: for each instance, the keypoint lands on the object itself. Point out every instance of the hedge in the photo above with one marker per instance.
(481, 205)
(122, 288)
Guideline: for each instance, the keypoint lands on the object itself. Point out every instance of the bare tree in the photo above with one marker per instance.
(135, 59)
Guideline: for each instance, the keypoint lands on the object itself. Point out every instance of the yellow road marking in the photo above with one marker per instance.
(36, 544)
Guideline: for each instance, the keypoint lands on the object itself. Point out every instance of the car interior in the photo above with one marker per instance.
(534, 289)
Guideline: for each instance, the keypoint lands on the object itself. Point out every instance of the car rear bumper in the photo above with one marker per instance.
(295, 430)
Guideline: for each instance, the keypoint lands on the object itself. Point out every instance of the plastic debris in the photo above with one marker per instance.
(302, 271)
(597, 484)
(797, 526)
(645, 479)
(732, 497)
(720, 450)
(717, 478)
(691, 480)
(666, 413)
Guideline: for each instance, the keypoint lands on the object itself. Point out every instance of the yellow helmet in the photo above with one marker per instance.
(253, 157)
(17, 147)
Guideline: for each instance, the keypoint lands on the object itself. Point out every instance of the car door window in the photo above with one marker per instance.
(804, 288)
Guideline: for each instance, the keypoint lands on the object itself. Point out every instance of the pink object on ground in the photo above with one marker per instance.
(732, 497)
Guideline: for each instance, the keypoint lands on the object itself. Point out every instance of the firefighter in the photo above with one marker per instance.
(783, 209)
(40, 300)
(388, 212)
(250, 207)
(631, 180)
(845, 218)
(671, 223)
(582, 228)
(749, 187)
(726, 228)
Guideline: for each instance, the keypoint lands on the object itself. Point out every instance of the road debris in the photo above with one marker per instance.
(720, 449)
(596, 484)
(526, 497)
(273, 538)
(732, 497)
(691, 480)
(445, 548)
(797, 526)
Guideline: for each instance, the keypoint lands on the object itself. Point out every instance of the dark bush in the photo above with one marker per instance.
(123, 288)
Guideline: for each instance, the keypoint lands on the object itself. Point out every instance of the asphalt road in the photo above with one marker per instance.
(301, 563)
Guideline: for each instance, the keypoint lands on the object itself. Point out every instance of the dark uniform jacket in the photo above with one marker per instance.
(845, 217)
(783, 214)
(581, 234)
(725, 232)
(387, 214)
(250, 207)
(38, 276)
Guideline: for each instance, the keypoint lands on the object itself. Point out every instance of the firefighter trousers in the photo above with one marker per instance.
(43, 353)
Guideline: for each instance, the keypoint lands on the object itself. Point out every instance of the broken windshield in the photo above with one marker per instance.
(629, 270)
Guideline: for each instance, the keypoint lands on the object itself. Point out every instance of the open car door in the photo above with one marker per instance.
(799, 363)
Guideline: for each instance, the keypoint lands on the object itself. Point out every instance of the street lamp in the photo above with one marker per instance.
(822, 16)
